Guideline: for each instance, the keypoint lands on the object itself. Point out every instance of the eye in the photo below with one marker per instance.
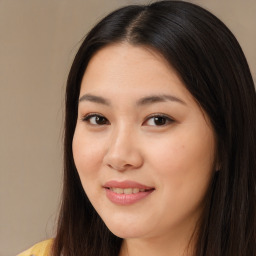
(158, 120)
(95, 119)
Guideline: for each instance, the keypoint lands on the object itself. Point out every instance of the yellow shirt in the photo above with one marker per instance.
(40, 249)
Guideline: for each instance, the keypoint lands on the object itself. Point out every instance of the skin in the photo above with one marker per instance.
(175, 155)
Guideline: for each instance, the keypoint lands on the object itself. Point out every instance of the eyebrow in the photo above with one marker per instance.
(141, 102)
(94, 98)
(159, 98)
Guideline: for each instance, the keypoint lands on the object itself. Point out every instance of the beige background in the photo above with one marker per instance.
(38, 40)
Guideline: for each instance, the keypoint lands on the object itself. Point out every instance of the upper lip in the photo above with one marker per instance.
(125, 184)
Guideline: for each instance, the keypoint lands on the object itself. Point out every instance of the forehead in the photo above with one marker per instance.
(126, 68)
(126, 58)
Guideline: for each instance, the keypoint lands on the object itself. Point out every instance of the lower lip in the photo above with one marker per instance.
(126, 199)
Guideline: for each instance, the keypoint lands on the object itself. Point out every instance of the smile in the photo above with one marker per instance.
(126, 192)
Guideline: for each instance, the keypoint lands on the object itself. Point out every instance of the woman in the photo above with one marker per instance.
(160, 139)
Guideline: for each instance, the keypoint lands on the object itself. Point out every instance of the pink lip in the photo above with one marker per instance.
(125, 184)
(126, 199)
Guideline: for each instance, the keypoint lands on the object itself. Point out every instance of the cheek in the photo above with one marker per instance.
(87, 153)
(183, 170)
(184, 162)
(185, 150)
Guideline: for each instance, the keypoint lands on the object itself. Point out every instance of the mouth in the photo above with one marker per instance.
(126, 192)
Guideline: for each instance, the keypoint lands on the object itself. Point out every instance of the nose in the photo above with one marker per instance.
(123, 151)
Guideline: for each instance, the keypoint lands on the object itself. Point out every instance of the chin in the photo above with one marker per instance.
(125, 234)
(126, 230)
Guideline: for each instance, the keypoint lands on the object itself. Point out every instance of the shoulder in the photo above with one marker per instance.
(40, 249)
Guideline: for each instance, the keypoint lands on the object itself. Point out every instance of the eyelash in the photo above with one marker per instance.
(88, 117)
(167, 120)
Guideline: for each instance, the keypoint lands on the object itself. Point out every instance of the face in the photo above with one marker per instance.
(143, 147)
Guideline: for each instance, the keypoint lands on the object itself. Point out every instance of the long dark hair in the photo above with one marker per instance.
(213, 68)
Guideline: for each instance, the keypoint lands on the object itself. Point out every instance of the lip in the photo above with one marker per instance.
(125, 184)
(126, 199)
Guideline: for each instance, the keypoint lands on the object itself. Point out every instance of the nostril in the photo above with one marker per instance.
(119, 167)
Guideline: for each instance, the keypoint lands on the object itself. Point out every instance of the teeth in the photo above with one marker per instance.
(127, 191)
(118, 190)
(135, 190)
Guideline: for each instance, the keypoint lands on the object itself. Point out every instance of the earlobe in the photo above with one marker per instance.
(218, 165)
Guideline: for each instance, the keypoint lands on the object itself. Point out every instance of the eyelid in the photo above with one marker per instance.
(86, 118)
(167, 117)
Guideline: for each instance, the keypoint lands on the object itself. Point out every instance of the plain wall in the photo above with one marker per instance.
(38, 40)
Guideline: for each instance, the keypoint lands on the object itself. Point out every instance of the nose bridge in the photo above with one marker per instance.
(121, 137)
(121, 143)
(123, 151)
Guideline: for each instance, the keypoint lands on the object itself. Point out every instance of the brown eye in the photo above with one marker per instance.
(158, 120)
(95, 119)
